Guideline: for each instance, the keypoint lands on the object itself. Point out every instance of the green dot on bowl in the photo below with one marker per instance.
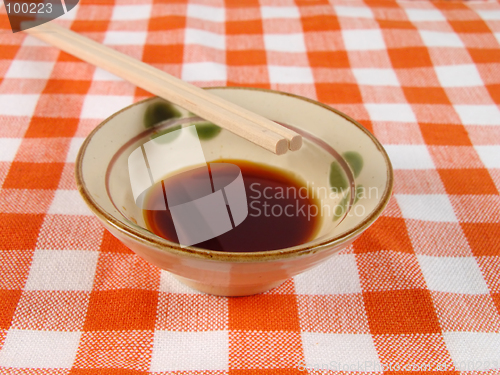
(158, 112)
(340, 208)
(338, 180)
(207, 130)
(355, 161)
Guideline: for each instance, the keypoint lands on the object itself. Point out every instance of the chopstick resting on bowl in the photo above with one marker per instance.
(246, 124)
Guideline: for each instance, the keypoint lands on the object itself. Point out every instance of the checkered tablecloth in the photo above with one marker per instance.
(419, 290)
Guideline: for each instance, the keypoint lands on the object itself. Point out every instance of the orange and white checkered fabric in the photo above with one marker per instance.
(419, 291)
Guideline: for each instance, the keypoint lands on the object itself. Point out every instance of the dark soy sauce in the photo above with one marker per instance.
(282, 212)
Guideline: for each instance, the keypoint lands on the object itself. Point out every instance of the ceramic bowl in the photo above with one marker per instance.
(340, 160)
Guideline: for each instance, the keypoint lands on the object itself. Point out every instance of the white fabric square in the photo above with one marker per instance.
(340, 352)
(205, 38)
(429, 207)
(440, 39)
(497, 36)
(452, 274)
(356, 12)
(321, 279)
(62, 270)
(363, 40)
(285, 42)
(103, 106)
(478, 114)
(409, 156)
(169, 284)
(18, 105)
(208, 13)
(104, 75)
(489, 155)
(458, 75)
(376, 77)
(68, 202)
(424, 15)
(188, 351)
(490, 15)
(39, 349)
(473, 351)
(125, 38)
(390, 112)
(290, 74)
(269, 12)
(131, 12)
(74, 147)
(8, 148)
(204, 71)
(29, 69)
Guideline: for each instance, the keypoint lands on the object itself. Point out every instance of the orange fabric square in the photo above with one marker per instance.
(163, 54)
(125, 271)
(244, 27)
(477, 26)
(396, 24)
(409, 311)
(111, 244)
(490, 268)
(166, 23)
(241, 3)
(270, 312)
(410, 57)
(10, 299)
(445, 134)
(432, 95)
(263, 371)
(389, 270)
(466, 312)
(494, 91)
(320, 22)
(89, 26)
(119, 350)
(191, 312)
(484, 56)
(265, 350)
(467, 181)
(41, 127)
(338, 93)
(8, 52)
(496, 300)
(338, 313)
(246, 57)
(33, 175)
(19, 231)
(66, 86)
(121, 310)
(51, 310)
(328, 59)
(483, 238)
(387, 233)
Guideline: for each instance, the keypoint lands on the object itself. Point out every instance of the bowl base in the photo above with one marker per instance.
(229, 291)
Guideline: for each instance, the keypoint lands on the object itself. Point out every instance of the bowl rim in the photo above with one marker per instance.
(139, 234)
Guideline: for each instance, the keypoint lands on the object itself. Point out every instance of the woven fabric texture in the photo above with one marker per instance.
(418, 291)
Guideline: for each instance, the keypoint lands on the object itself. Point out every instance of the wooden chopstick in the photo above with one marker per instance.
(247, 124)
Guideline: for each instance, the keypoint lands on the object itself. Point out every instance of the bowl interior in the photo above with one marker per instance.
(345, 168)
